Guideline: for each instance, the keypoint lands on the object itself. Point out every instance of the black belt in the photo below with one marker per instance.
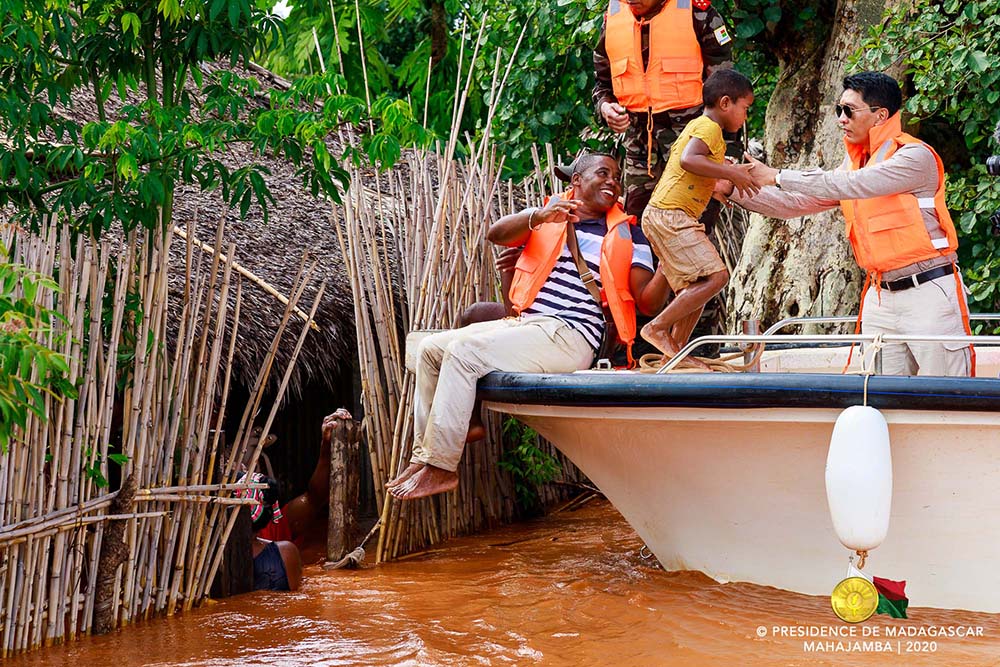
(917, 278)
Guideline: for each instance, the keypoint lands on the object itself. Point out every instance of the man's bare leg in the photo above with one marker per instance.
(407, 473)
(427, 481)
(477, 430)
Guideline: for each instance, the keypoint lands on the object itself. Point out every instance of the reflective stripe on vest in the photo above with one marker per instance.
(542, 251)
(673, 77)
(888, 232)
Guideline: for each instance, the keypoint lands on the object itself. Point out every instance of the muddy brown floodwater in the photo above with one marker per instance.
(569, 589)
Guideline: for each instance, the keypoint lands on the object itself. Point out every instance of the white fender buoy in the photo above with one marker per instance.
(859, 478)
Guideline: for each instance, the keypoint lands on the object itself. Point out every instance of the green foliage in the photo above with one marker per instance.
(753, 22)
(176, 116)
(952, 60)
(548, 95)
(29, 369)
(93, 466)
(527, 463)
(973, 196)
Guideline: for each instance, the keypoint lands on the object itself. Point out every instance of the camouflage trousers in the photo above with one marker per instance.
(640, 174)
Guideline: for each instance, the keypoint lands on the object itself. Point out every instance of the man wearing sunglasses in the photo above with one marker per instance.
(891, 190)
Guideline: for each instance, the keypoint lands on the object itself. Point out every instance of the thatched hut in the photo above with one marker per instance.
(271, 254)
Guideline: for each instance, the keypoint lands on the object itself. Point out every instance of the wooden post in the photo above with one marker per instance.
(345, 487)
(751, 328)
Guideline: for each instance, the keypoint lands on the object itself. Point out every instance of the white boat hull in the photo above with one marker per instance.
(739, 493)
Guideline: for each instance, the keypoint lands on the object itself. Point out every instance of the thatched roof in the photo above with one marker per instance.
(273, 252)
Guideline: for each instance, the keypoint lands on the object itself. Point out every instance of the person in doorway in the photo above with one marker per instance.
(688, 258)
(891, 189)
(277, 566)
(559, 326)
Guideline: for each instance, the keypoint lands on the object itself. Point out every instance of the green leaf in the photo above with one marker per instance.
(127, 167)
(749, 28)
(978, 61)
(234, 13)
(550, 117)
(120, 459)
(130, 21)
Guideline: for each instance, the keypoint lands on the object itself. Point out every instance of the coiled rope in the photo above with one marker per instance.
(652, 362)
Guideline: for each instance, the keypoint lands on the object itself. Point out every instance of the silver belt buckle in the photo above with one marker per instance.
(916, 283)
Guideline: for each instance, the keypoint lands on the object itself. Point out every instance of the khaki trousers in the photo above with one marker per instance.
(930, 308)
(450, 363)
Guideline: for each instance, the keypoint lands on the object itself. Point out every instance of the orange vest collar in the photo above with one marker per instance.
(877, 136)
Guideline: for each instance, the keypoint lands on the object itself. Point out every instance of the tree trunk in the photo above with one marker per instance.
(114, 552)
(439, 31)
(804, 266)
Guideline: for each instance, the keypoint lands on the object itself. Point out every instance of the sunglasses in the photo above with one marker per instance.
(850, 111)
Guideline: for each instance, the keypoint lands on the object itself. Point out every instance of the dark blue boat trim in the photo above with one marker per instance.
(742, 390)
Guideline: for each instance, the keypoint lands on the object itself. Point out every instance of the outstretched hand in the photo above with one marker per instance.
(762, 174)
(742, 178)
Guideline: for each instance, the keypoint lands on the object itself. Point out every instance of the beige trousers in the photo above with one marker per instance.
(930, 308)
(450, 363)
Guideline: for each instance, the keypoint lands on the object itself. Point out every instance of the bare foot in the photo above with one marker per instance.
(665, 343)
(660, 339)
(410, 471)
(426, 482)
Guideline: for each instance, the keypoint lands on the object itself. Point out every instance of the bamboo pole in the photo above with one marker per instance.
(51, 516)
(249, 275)
(419, 236)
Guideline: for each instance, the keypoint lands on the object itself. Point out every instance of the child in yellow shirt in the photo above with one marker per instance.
(688, 258)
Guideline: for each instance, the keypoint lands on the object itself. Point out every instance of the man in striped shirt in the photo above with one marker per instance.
(559, 328)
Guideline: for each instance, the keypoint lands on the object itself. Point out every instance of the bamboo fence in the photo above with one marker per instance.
(59, 527)
(415, 250)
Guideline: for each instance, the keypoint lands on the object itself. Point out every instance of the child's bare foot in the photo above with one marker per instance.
(665, 343)
(660, 339)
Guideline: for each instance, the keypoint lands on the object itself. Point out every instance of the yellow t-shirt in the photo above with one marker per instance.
(679, 189)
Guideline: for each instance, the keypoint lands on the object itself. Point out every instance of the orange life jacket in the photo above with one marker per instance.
(673, 77)
(542, 252)
(888, 232)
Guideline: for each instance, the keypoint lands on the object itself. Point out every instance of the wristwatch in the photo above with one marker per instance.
(777, 180)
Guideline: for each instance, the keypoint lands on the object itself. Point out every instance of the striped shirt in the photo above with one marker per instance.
(565, 296)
